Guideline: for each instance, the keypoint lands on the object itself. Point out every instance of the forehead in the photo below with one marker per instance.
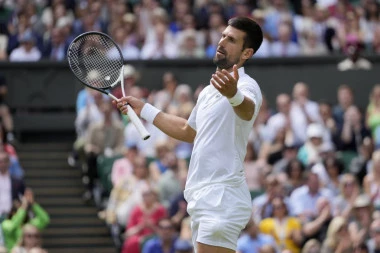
(234, 33)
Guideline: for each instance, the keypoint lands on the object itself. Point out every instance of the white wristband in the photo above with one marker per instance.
(237, 99)
(149, 112)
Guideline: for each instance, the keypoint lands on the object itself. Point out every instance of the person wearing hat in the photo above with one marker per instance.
(27, 51)
(309, 153)
(359, 226)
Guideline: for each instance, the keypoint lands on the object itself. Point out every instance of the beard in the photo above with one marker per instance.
(222, 61)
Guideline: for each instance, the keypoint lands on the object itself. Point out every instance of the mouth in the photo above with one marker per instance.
(220, 51)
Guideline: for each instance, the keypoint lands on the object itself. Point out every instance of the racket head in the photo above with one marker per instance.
(96, 60)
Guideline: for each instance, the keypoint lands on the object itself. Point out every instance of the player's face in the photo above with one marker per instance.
(230, 49)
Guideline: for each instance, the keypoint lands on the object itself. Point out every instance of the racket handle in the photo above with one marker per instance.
(138, 124)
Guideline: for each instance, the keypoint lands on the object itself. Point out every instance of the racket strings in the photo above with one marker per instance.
(95, 60)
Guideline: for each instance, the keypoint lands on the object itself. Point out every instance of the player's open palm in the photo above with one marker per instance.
(135, 103)
(225, 83)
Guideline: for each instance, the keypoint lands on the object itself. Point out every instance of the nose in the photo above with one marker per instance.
(222, 42)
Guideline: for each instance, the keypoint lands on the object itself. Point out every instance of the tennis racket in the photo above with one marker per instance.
(96, 60)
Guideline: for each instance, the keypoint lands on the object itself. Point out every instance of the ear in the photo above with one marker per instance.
(247, 53)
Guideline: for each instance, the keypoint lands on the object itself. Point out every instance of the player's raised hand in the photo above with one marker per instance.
(225, 83)
(135, 103)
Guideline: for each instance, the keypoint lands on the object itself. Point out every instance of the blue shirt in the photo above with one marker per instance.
(154, 245)
(247, 244)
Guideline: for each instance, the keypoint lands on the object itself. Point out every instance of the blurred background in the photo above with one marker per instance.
(76, 177)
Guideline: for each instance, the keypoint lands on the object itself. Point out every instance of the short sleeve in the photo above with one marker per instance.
(192, 119)
(252, 91)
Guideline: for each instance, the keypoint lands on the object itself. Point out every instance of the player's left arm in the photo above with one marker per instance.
(226, 84)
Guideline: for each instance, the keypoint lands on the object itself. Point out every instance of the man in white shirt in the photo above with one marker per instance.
(304, 199)
(218, 198)
(303, 112)
(27, 51)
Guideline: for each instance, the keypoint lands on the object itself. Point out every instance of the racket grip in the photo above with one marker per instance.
(138, 124)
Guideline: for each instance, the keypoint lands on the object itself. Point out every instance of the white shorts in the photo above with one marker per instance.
(218, 214)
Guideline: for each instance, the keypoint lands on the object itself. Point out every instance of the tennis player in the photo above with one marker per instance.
(218, 198)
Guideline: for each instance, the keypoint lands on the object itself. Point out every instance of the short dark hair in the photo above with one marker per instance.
(253, 33)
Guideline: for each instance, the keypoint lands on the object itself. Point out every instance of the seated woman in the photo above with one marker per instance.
(285, 230)
(143, 221)
(334, 242)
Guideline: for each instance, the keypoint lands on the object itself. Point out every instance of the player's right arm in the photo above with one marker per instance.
(174, 126)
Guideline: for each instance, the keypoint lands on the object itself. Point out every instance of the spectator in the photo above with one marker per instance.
(30, 238)
(372, 114)
(268, 249)
(277, 12)
(337, 230)
(371, 182)
(127, 193)
(157, 166)
(312, 46)
(310, 152)
(10, 187)
(354, 130)
(345, 96)
(280, 121)
(162, 47)
(252, 240)
(316, 227)
(303, 112)
(188, 47)
(361, 164)
(183, 246)
(373, 243)
(294, 176)
(29, 215)
(165, 241)
(56, 49)
(170, 183)
(328, 122)
(104, 138)
(304, 199)
(262, 204)
(359, 226)
(129, 51)
(344, 202)
(284, 47)
(285, 230)
(255, 170)
(311, 246)
(143, 221)
(5, 114)
(15, 168)
(354, 60)
(27, 50)
(123, 167)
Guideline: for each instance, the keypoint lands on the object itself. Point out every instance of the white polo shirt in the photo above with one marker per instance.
(221, 139)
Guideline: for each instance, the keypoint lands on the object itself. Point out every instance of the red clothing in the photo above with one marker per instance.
(10, 150)
(132, 244)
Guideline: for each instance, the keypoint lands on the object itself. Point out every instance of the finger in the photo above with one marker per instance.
(218, 80)
(215, 84)
(236, 73)
(227, 75)
(222, 76)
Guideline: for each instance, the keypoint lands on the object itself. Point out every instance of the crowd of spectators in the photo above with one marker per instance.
(22, 219)
(313, 169)
(31, 30)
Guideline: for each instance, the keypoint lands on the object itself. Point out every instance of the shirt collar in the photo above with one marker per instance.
(240, 72)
